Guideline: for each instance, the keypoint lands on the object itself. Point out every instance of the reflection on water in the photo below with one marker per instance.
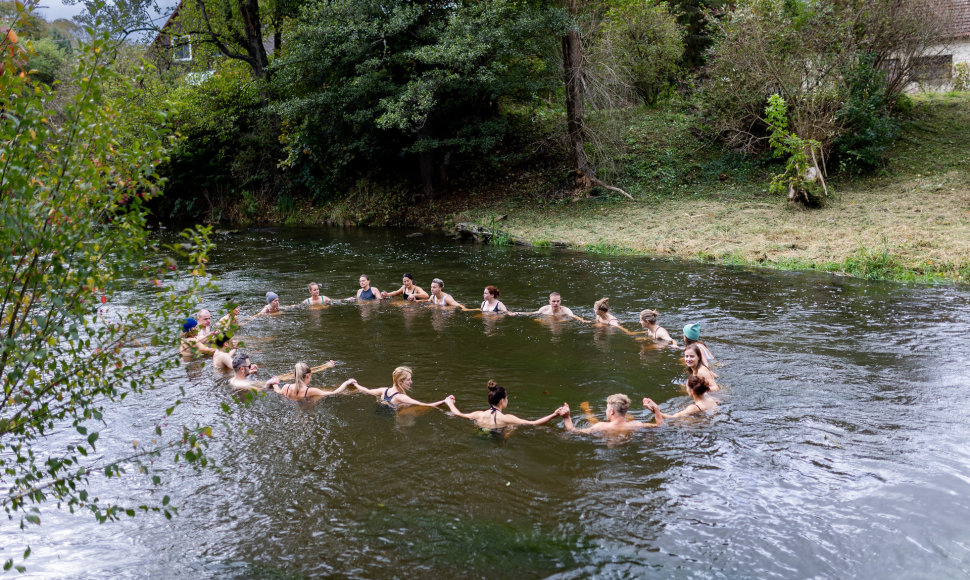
(839, 448)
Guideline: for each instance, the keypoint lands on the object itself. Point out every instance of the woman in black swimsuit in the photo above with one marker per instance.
(301, 389)
(367, 292)
(491, 302)
(698, 390)
(410, 292)
(494, 418)
(396, 395)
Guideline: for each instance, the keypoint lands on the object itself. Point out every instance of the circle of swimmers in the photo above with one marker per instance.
(200, 337)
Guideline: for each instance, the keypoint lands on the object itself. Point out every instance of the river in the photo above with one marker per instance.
(840, 448)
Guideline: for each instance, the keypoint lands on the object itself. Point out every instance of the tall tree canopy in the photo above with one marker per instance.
(371, 84)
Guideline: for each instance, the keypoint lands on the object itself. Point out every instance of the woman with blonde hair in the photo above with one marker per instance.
(601, 311)
(301, 389)
(396, 395)
(648, 320)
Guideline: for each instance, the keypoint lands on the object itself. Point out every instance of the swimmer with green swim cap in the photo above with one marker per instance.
(692, 335)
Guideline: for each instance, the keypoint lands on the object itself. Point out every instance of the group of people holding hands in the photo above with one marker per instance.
(200, 336)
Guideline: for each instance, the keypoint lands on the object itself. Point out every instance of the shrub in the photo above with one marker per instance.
(867, 118)
(642, 40)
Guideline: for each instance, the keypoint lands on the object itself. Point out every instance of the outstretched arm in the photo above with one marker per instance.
(567, 419)
(658, 416)
(450, 402)
(513, 420)
(395, 293)
(402, 398)
(375, 392)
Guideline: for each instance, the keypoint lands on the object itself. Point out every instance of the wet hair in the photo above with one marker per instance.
(602, 305)
(492, 290)
(399, 374)
(239, 360)
(495, 393)
(697, 385)
(222, 338)
(700, 355)
(408, 275)
(439, 283)
(365, 277)
(648, 316)
(554, 295)
(301, 371)
(310, 286)
(619, 402)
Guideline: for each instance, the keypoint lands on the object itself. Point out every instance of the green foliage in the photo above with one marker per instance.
(47, 60)
(228, 146)
(370, 86)
(646, 45)
(866, 113)
(796, 152)
(961, 76)
(74, 235)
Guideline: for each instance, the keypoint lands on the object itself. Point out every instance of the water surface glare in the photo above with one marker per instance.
(839, 450)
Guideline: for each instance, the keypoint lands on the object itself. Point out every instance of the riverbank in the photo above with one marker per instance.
(696, 201)
(911, 224)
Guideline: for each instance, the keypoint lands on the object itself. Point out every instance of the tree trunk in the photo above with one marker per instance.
(249, 10)
(572, 65)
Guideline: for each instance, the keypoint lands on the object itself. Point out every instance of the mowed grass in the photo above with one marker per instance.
(694, 200)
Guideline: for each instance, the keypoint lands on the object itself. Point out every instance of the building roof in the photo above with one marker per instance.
(960, 12)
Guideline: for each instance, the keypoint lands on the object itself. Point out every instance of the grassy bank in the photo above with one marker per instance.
(697, 202)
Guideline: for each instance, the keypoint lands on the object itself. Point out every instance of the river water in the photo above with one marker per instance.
(840, 448)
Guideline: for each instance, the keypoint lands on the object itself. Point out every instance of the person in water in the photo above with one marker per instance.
(230, 321)
(601, 310)
(697, 389)
(204, 318)
(410, 292)
(657, 333)
(225, 350)
(243, 370)
(366, 292)
(616, 417)
(439, 297)
(315, 296)
(188, 339)
(301, 389)
(554, 309)
(491, 302)
(692, 335)
(495, 417)
(272, 304)
(694, 359)
(396, 395)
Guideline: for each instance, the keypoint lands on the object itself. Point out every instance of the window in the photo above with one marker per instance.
(182, 48)
(928, 69)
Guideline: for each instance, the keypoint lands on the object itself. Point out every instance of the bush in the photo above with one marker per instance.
(822, 57)
(643, 42)
(228, 145)
(961, 77)
(869, 127)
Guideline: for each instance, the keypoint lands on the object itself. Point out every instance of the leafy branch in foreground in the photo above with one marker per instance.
(73, 236)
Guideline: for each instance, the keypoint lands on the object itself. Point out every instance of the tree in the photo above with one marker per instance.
(583, 175)
(642, 41)
(233, 28)
(74, 235)
(369, 85)
(810, 53)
